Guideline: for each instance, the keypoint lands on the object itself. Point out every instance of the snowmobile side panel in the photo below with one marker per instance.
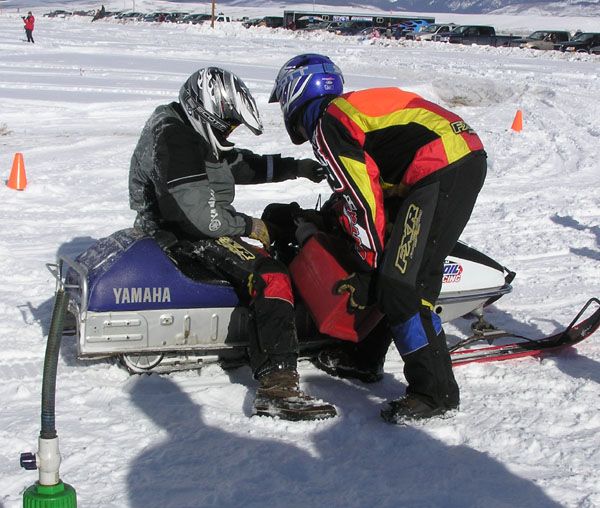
(105, 333)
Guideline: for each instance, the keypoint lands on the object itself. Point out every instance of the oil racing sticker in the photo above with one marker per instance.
(410, 235)
(452, 272)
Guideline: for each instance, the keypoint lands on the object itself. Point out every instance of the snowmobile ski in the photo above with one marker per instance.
(576, 332)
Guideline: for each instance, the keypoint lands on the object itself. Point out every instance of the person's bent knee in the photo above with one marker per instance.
(271, 281)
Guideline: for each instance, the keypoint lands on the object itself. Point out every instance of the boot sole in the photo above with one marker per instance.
(405, 419)
(296, 414)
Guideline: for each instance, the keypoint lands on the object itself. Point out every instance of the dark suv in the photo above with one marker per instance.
(580, 43)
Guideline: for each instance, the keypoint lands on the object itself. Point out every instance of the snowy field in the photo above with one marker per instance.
(528, 432)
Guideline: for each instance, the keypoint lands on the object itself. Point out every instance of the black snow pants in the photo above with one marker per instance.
(261, 283)
(426, 226)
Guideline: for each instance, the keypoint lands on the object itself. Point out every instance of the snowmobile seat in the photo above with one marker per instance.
(128, 271)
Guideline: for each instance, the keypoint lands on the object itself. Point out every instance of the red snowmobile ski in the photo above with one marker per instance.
(576, 332)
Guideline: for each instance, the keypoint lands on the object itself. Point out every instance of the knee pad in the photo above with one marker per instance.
(271, 280)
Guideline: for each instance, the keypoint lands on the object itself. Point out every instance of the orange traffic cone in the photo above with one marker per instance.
(517, 124)
(17, 179)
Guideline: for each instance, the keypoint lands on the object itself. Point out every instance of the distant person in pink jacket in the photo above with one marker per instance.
(29, 22)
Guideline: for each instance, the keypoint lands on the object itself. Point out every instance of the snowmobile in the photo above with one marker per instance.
(130, 299)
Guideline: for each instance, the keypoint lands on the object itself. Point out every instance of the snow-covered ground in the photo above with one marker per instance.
(528, 432)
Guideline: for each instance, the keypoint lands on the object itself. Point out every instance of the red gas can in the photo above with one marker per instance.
(315, 271)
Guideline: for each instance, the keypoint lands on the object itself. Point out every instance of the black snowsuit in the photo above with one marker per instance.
(177, 187)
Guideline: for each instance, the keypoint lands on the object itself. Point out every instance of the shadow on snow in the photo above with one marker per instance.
(358, 463)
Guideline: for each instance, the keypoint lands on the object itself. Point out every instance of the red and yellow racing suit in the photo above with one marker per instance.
(380, 141)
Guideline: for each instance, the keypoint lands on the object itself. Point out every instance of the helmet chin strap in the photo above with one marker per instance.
(205, 130)
(217, 145)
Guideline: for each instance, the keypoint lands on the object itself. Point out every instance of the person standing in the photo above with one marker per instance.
(29, 21)
(406, 174)
(182, 182)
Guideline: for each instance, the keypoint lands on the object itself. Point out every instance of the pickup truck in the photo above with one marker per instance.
(430, 31)
(543, 39)
(477, 34)
(580, 43)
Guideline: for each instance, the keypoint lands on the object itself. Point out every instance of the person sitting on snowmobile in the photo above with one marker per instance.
(182, 184)
(408, 172)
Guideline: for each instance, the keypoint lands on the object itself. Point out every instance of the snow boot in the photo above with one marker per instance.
(410, 407)
(279, 395)
(340, 363)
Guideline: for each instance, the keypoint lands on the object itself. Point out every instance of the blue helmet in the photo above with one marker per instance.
(301, 80)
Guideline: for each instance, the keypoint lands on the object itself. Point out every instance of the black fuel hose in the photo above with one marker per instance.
(50, 365)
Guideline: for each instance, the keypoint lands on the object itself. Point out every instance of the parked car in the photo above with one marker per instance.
(221, 18)
(268, 21)
(477, 34)
(349, 28)
(543, 39)
(194, 19)
(595, 50)
(155, 17)
(174, 17)
(428, 32)
(580, 43)
(85, 13)
(372, 32)
(411, 26)
(321, 25)
(130, 16)
(58, 14)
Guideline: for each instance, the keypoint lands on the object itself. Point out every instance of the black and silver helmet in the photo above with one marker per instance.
(216, 101)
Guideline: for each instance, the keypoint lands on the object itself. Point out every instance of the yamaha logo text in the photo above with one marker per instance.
(142, 295)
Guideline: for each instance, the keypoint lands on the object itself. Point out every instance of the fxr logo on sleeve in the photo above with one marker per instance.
(410, 235)
(462, 126)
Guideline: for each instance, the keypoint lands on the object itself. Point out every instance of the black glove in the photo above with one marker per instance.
(305, 230)
(280, 219)
(308, 168)
(358, 285)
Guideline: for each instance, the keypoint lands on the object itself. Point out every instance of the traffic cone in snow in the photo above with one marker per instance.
(517, 124)
(17, 179)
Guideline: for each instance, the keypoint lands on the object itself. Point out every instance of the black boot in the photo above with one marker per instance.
(341, 363)
(363, 361)
(410, 407)
(279, 395)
